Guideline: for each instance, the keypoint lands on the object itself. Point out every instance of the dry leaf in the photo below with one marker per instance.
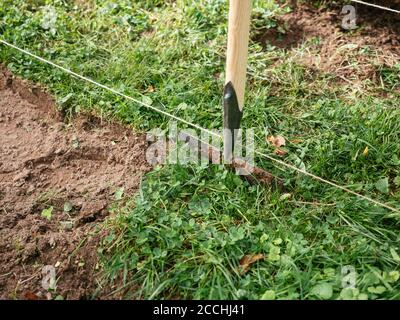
(280, 152)
(247, 261)
(279, 141)
(150, 89)
(271, 139)
(285, 196)
(30, 296)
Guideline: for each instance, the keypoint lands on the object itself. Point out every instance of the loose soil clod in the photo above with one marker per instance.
(45, 163)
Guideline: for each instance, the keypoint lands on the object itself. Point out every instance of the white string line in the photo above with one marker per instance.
(327, 182)
(199, 127)
(109, 89)
(376, 6)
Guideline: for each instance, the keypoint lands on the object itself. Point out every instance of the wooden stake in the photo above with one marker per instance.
(238, 46)
(236, 69)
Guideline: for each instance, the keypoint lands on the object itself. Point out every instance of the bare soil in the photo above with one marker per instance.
(73, 167)
(353, 55)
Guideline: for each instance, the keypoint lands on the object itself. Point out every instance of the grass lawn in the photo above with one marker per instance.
(190, 229)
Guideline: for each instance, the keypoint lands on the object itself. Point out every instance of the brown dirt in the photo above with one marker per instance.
(44, 163)
(352, 56)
